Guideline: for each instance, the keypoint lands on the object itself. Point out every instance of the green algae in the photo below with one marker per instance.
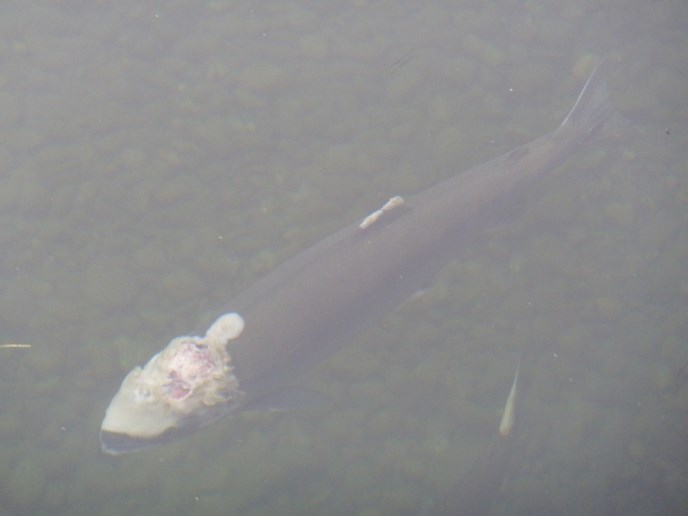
(25, 484)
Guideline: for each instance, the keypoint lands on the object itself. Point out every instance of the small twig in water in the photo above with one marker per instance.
(396, 66)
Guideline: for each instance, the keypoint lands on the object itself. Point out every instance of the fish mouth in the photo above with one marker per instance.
(116, 443)
(187, 385)
(113, 443)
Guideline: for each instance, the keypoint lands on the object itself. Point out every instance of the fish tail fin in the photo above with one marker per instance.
(593, 116)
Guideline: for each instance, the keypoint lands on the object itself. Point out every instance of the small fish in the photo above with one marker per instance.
(478, 488)
(506, 425)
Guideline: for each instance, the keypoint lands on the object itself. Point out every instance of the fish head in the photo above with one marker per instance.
(187, 385)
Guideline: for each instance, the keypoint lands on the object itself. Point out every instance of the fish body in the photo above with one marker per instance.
(308, 307)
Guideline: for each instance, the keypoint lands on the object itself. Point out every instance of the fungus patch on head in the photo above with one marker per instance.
(225, 328)
(393, 203)
(192, 375)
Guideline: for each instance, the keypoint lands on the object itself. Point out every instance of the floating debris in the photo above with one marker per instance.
(396, 66)
(15, 346)
(680, 377)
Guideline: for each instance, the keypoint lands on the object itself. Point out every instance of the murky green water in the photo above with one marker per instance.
(159, 158)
